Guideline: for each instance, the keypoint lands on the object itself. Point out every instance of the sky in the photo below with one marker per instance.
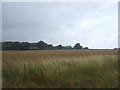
(92, 24)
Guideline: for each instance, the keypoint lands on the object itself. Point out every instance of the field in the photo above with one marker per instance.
(60, 69)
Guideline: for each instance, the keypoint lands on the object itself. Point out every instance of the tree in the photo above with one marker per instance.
(24, 46)
(7, 45)
(86, 48)
(68, 47)
(77, 46)
(42, 45)
(59, 47)
(50, 46)
(63, 47)
(15, 46)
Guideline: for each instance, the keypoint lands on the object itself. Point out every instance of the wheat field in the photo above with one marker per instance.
(60, 69)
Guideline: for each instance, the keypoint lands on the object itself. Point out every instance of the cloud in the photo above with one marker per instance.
(92, 24)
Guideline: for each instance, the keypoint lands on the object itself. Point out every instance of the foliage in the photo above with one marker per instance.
(78, 46)
(41, 45)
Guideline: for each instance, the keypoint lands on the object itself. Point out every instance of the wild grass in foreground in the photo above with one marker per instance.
(96, 71)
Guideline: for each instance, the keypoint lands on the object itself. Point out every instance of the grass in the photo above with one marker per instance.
(60, 69)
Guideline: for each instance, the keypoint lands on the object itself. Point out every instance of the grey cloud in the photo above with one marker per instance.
(61, 23)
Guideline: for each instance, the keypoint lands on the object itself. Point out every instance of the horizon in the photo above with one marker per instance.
(62, 44)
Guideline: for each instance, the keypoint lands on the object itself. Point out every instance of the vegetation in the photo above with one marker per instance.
(78, 46)
(41, 45)
(60, 69)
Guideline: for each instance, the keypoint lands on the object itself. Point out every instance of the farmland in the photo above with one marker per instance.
(60, 69)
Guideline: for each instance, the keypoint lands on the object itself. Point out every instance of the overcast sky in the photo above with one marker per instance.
(91, 24)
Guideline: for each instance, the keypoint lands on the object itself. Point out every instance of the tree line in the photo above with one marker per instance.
(41, 45)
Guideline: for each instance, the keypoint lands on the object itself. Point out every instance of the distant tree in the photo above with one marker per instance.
(86, 48)
(50, 46)
(59, 47)
(33, 45)
(55, 47)
(42, 45)
(115, 48)
(68, 47)
(77, 46)
(63, 47)
(39, 45)
(15, 46)
(24, 46)
(7, 45)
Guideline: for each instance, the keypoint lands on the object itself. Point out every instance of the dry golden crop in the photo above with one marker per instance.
(60, 68)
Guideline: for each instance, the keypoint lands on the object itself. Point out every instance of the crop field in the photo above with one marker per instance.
(60, 69)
